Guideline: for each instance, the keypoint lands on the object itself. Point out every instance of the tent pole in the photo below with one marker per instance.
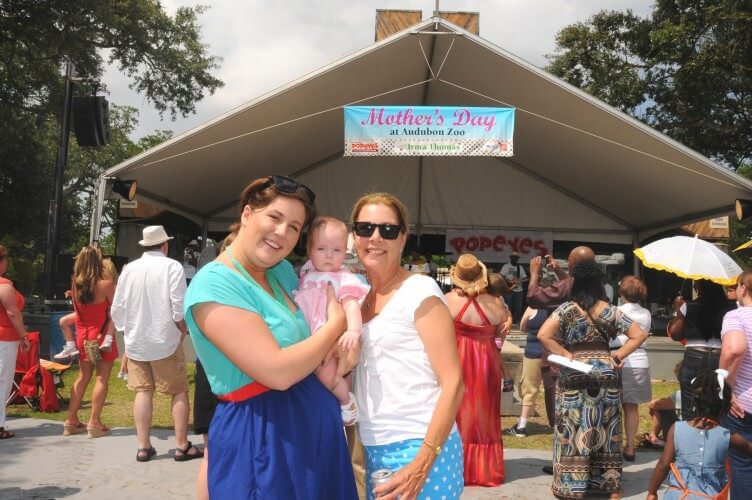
(637, 270)
(204, 233)
(96, 219)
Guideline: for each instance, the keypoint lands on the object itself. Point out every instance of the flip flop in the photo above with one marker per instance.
(184, 456)
(149, 452)
(6, 434)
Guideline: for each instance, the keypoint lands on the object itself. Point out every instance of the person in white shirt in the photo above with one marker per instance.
(148, 308)
(515, 275)
(408, 384)
(635, 374)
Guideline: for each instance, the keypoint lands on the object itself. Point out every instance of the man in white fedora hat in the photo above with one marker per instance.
(148, 308)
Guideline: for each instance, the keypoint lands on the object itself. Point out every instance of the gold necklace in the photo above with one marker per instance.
(373, 292)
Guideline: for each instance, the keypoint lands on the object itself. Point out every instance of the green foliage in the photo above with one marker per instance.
(686, 70)
(23, 264)
(163, 57)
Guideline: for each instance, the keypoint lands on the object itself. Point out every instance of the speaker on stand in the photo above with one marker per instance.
(91, 121)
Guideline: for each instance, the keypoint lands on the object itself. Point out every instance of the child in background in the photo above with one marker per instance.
(664, 412)
(696, 450)
(327, 246)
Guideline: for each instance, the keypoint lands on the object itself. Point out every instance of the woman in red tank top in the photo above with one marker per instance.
(479, 317)
(92, 297)
(12, 332)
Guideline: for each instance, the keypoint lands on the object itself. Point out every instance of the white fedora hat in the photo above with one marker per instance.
(154, 235)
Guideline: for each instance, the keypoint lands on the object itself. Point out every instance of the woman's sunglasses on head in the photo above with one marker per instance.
(387, 231)
(286, 185)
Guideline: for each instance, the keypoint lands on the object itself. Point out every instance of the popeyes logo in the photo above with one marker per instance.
(364, 147)
(496, 246)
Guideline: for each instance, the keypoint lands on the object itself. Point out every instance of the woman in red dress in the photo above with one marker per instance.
(92, 297)
(478, 319)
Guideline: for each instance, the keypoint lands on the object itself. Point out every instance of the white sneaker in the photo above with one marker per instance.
(349, 411)
(68, 352)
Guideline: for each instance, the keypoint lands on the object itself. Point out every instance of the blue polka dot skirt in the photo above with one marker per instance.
(446, 478)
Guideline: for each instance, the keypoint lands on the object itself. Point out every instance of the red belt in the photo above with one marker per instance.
(246, 392)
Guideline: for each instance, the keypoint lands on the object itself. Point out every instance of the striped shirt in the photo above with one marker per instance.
(740, 320)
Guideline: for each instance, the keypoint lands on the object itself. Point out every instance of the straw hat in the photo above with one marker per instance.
(154, 235)
(469, 274)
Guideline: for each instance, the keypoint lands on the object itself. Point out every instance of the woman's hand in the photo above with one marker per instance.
(406, 482)
(335, 314)
(616, 362)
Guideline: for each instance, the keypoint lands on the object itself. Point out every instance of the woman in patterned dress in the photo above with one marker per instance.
(587, 434)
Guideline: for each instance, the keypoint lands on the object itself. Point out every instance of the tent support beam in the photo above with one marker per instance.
(424, 99)
(165, 203)
(567, 193)
(687, 219)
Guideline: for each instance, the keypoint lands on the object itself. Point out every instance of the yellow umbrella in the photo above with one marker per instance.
(742, 247)
(690, 258)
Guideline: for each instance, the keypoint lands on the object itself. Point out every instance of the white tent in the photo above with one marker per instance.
(581, 168)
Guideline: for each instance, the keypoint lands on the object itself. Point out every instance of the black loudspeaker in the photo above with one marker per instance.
(91, 120)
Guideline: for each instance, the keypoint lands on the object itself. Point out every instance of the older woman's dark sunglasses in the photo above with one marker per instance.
(286, 185)
(387, 231)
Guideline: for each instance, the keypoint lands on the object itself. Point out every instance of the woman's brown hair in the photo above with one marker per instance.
(382, 199)
(633, 289)
(745, 279)
(257, 196)
(87, 271)
(3, 253)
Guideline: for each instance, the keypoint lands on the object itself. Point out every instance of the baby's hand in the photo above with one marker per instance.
(349, 340)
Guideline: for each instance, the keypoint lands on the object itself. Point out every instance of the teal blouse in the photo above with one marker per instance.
(217, 283)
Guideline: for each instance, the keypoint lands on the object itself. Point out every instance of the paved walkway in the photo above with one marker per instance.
(40, 463)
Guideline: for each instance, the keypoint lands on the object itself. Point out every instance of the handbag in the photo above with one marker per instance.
(91, 348)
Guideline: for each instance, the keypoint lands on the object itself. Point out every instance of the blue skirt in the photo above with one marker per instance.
(445, 479)
(281, 444)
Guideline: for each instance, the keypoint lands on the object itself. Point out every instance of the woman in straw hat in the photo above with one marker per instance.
(479, 319)
(409, 384)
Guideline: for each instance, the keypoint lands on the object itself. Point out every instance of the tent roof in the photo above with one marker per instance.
(579, 165)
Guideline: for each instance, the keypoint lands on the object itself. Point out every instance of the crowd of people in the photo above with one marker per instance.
(414, 376)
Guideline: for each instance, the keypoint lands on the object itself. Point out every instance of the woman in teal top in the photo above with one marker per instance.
(274, 418)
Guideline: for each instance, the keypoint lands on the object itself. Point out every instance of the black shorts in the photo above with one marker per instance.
(204, 402)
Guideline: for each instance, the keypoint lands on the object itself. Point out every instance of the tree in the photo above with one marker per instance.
(162, 55)
(686, 70)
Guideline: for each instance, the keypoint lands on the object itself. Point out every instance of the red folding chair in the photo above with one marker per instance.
(26, 361)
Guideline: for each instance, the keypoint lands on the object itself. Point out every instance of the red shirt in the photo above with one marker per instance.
(7, 330)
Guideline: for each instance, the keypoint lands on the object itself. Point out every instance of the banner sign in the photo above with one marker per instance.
(495, 245)
(428, 131)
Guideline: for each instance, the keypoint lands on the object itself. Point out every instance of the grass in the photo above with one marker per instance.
(118, 410)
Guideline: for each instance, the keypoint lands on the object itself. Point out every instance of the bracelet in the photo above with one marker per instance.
(435, 449)
(616, 359)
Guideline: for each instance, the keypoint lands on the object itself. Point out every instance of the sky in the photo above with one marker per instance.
(265, 44)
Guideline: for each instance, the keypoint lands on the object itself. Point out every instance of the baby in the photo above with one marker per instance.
(327, 247)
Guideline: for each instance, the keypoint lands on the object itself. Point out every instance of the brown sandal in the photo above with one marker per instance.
(95, 432)
(6, 434)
